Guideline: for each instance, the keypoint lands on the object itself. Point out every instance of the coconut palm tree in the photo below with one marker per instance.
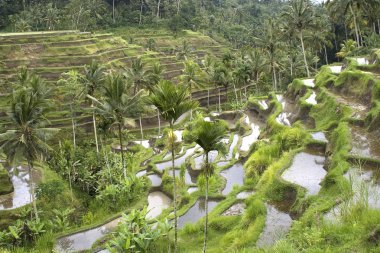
(209, 136)
(94, 78)
(137, 74)
(172, 101)
(26, 138)
(191, 77)
(300, 15)
(270, 44)
(119, 107)
(74, 92)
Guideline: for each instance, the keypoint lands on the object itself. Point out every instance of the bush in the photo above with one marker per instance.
(50, 189)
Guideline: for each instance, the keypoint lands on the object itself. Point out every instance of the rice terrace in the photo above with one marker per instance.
(189, 126)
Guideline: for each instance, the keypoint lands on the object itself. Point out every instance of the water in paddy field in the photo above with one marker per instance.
(177, 162)
(157, 202)
(277, 225)
(361, 61)
(178, 134)
(244, 194)
(155, 180)
(309, 82)
(248, 140)
(283, 117)
(192, 189)
(234, 176)
(306, 171)
(232, 146)
(312, 99)
(336, 69)
(364, 144)
(141, 173)
(84, 240)
(189, 180)
(365, 183)
(21, 184)
(319, 136)
(144, 143)
(263, 104)
(196, 212)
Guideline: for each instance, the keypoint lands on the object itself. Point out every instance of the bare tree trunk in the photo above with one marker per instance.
(274, 78)
(174, 193)
(355, 24)
(73, 126)
(30, 165)
(158, 8)
(236, 96)
(122, 151)
(141, 9)
(378, 25)
(327, 61)
(95, 130)
(141, 131)
(208, 98)
(304, 55)
(220, 109)
(178, 6)
(206, 206)
(113, 11)
(159, 122)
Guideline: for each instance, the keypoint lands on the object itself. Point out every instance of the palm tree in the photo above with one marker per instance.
(74, 93)
(118, 107)
(191, 77)
(27, 139)
(343, 7)
(138, 74)
(300, 16)
(221, 77)
(172, 102)
(270, 44)
(209, 136)
(94, 77)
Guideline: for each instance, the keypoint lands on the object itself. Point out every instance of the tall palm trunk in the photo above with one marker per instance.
(73, 126)
(236, 96)
(95, 130)
(159, 122)
(122, 151)
(158, 8)
(327, 61)
(141, 130)
(174, 191)
(30, 165)
(113, 11)
(141, 9)
(206, 207)
(220, 109)
(355, 24)
(274, 78)
(304, 55)
(208, 98)
(178, 6)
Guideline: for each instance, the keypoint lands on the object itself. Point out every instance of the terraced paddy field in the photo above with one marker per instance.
(300, 171)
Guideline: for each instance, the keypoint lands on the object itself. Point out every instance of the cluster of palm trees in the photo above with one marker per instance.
(116, 97)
